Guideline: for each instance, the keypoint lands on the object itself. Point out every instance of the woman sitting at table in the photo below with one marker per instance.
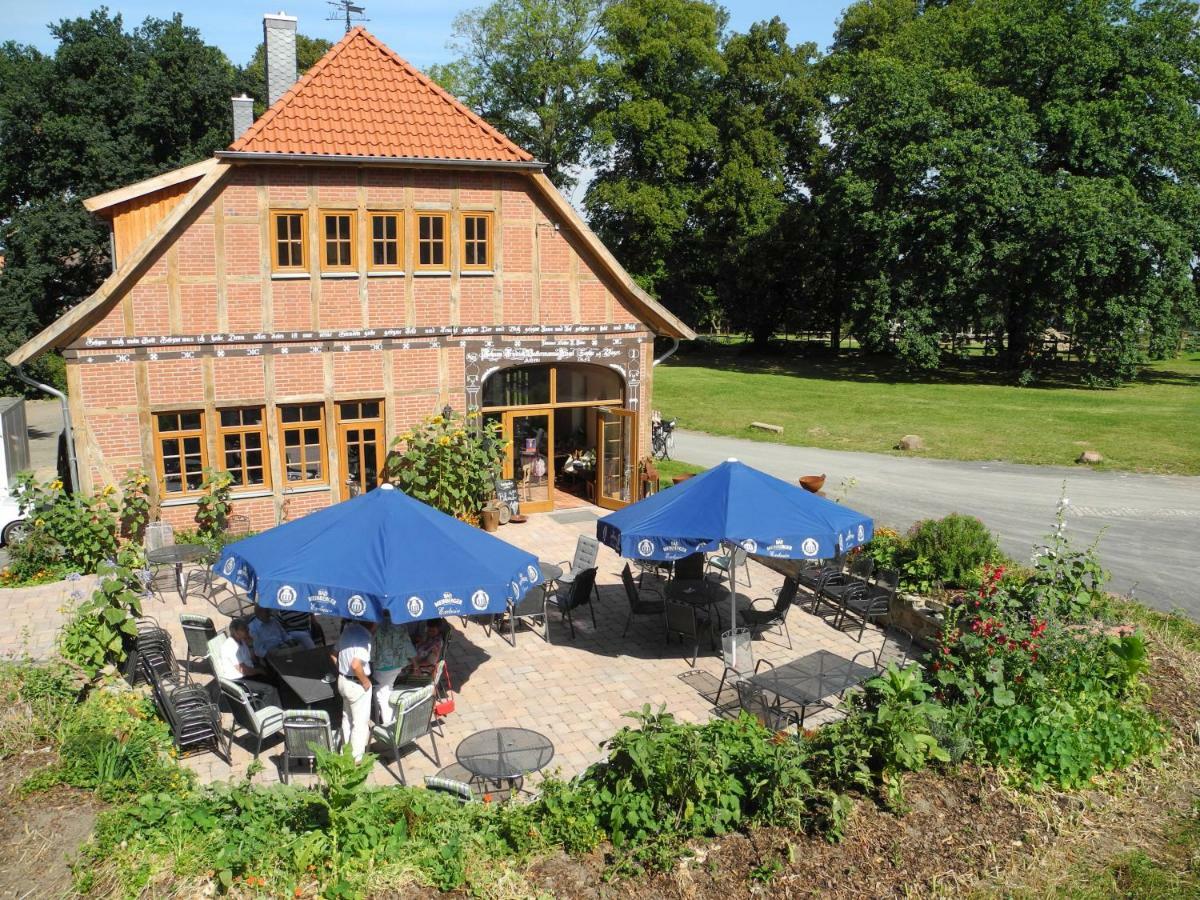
(428, 650)
(390, 652)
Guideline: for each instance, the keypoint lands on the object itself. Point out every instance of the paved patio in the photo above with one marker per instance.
(573, 691)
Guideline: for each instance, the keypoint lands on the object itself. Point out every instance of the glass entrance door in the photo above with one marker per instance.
(530, 461)
(360, 447)
(616, 457)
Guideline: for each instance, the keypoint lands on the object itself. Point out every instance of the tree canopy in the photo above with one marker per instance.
(530, 67)
(1011, 166)
(109, 107)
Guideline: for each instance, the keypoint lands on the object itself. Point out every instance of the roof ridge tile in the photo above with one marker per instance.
(363, 99)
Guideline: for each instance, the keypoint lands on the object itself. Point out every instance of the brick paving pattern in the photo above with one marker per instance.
(573, 691)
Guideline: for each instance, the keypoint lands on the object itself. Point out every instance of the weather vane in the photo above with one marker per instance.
(344, 10)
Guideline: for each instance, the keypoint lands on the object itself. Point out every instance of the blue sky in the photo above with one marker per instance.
(416, 29)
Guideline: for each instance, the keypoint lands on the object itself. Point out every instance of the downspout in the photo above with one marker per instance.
(668, 354)
(68, 431)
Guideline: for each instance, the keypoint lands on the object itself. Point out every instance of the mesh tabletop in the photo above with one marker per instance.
(550, 572)
(176, 554)
(813, 677)
(505, 752)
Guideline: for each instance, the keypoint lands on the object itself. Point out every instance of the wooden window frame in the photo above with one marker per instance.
(372, 215)
(301, 426)
(276, 215)
(351, 240)
(444, 266)
(343, 425)
(179, 435)
(260, 429)
(487, 242)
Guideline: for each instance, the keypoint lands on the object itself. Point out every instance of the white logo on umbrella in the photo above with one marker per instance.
(750, 545)
(809, 547)
(286, 595)
(356, 605)
(480, 599)
(534, 574)
(228, 567)
(415, 606)
(862, 533)
(645, 546)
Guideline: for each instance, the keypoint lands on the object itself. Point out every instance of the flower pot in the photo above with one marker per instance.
(489, 518)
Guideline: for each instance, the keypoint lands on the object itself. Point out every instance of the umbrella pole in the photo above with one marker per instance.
(729, 548)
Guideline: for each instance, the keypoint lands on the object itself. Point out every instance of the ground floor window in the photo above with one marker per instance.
(302, 436)
(361, 447)
(242, 438)
(180, 453)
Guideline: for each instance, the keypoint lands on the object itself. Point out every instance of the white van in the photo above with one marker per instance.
(14, 458)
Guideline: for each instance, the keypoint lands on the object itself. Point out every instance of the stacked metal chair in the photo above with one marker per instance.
(187, 708)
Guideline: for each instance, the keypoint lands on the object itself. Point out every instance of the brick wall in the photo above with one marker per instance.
(216, 278)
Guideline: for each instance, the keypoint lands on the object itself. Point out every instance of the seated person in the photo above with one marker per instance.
(236, 663)
(428, 649)
(267, 633)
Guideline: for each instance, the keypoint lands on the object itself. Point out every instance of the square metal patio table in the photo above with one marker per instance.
(811, 678)
(310, 674)
(177, 555)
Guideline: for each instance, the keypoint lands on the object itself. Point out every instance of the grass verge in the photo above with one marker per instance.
(964, 411)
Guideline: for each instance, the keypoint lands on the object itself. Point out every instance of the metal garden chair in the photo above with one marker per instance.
(414, 719)
(760, 620)
(868, 602)
(587, 551)
(262, 723)
(723, 563)
(304, 732)
(638, 606)
(577, 594)
(686, 621)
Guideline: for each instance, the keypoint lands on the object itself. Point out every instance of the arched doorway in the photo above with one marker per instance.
(568, 431)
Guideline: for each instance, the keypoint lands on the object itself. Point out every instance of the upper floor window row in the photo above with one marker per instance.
(382, 241)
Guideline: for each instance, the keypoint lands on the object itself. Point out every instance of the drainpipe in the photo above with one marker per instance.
(668, 354)
(68, 431)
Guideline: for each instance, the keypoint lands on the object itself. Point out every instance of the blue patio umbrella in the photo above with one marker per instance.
(380, 551)
(733, 505)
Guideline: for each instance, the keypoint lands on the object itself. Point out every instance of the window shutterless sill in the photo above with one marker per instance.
(193, 499)
(386, 273)
(289, 276)
(339, 274)
(306, 489)
(432, 273)
(476, 273)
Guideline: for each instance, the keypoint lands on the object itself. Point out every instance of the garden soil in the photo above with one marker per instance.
(41, 833)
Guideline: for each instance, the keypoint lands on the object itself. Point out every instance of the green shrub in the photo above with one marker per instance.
(450, 463)
(102, 628)
(214, 503)
(953, 547)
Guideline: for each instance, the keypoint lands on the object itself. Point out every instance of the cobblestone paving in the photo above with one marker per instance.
(573, 691)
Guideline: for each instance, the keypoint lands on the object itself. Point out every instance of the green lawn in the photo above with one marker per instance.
(964, 412)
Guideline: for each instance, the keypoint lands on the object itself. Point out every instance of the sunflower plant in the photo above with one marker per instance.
(450, 462)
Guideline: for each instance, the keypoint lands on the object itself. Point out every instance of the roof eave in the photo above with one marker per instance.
(239, 156)
(101, 202)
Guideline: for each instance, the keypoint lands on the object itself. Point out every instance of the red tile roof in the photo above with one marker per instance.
(361, 99)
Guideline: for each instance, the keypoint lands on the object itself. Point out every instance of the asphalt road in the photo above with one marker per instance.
(1148, 525)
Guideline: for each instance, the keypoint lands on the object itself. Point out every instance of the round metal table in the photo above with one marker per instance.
(504, 754)
(177, 555)
(550, 572)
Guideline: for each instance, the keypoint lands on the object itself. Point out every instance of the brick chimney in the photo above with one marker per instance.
(279, 40)
(243, 115)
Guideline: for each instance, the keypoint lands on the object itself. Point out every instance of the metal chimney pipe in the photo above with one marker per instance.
(279, 42)
(243, 115)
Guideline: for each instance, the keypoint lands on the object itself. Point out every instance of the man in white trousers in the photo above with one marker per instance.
(354, 684)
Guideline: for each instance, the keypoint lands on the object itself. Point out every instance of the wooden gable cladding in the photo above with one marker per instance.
(133, 220)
